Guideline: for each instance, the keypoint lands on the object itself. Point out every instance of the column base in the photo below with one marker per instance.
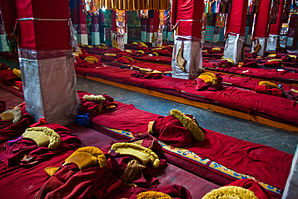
(272, 42)
(192, 54)
(234, 48)
(95, 38)
(262, 41)
(50, 88)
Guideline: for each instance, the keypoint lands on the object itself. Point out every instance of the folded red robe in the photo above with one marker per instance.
(26, 152)
(9, 130)
(170, 130)
(266, 90)
(148, 75)
(94, 108)
(2, 106)
(7, 77)
(201, 85)
(70, 182)
(253, 186)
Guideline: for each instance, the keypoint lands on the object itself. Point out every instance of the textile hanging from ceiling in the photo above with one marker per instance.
(132, 4)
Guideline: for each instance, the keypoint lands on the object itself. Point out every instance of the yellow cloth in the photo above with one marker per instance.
(209, 78)
(230, 192)
(86, 157)
(91, 59)
(145, 155)
(17, 72)
(15, 115)
(43, 136)
(51, 170)
(94, 98)
(153, 195)
(269, 84)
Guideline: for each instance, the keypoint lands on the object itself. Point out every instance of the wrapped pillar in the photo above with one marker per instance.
(46, 61)
(187, 52)
(119, 29)
(261, 28)
(144, 22)
(235, 30)
(3, 38)
(82, 34)
(274, 32)
(95, 36)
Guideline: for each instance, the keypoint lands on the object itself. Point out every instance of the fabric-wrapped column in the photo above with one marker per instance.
(46, 61)
(79, 23)
(261, 28)
(275, 29)
(95, 36)
(187, 51)
(235, 30)
(3, 38)
(119, 29)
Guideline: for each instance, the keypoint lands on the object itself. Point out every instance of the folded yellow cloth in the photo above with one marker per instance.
(17, 72)
(51, 170)
(94, 98)
(43, 136)
(86, 157)
(230, 192)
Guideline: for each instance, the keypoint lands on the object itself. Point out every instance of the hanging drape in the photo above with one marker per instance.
(133, 4)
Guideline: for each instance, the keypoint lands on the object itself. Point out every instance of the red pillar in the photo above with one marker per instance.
(187, 52)
(275, 29)
(235, 30)
(45, 58)
(261, 27)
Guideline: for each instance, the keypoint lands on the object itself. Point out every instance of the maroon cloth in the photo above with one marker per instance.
(201, 85)
(273, 64)
(271, 91)
(175, 191)
(170, 130)
(124, 60)
(22, 182)
(7, 77)
(148, 75)
(94, 108)
(8, 130)
(12, 153)
(2, 106)
(69, 182)
(253, 186)
(224, 63)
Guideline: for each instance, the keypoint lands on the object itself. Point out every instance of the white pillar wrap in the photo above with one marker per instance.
(291, 188)
(192, 53)
(262, 42)
(50, 88)
(143, 36)
(272, 42)
(234, 48)
(3, 43)
(95, 38)
(83, 39)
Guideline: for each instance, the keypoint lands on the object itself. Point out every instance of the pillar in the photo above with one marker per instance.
(95, 35)
(274, 32)
(45, 58)
(3, 38)
(119, 29)
(235, 30)
(187, 52)
(261, 28)
(79, 23)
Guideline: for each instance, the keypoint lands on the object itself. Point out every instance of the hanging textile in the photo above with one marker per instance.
(130, 4)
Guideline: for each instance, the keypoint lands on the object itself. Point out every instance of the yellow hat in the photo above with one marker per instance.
(230, 192)
(86, 157)
(189, 124)
(14, 115)
(209, 78)
(269, 84)
(43, 136)
(153, 195)
(145, 155)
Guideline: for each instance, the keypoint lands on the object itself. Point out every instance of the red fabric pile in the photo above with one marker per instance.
(267, 90)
